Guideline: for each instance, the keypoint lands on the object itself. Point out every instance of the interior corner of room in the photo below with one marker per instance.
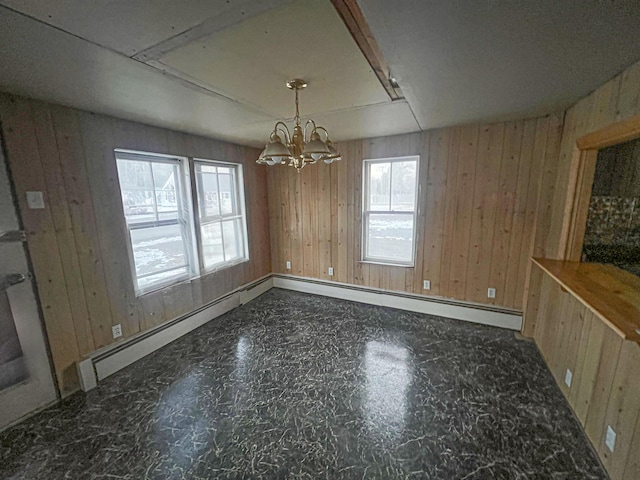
(508, 200)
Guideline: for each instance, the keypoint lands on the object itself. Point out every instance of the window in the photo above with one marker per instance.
(221, 213)
(157, 201)
(389, 210)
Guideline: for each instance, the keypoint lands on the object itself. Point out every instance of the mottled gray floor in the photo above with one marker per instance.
(298, 386)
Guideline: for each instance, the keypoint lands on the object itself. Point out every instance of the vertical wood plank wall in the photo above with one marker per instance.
(616, 100)
(605, 389)
(78, 242)
(478, 198)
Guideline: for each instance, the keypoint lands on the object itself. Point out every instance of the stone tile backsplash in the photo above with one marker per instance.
(613, 221)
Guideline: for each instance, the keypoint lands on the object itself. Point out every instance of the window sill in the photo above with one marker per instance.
(181, 280)
(221, 266)
(162, 286)
(388, 264)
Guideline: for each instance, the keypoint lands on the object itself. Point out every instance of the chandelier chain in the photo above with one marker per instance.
(297, 117)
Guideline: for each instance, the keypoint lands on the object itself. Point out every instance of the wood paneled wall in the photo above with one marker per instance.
(478, 198)
(616, 100)
(605, 389)
(78, 243)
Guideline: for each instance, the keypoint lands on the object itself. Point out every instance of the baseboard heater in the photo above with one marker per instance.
(116, 357)
(467, 311)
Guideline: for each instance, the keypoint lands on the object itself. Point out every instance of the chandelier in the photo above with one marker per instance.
(305, 146)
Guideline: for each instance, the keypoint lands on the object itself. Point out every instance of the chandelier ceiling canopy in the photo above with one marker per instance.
(305, 146)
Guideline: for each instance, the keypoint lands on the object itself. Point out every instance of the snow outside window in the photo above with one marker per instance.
(184, 216)
(157, 215)
(389, 210)
(221, 213)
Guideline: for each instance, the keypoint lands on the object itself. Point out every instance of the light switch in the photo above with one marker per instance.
(35, 200)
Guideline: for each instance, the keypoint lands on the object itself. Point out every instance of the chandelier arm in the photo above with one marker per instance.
(305, 128)
(317, 129)
(278, 128)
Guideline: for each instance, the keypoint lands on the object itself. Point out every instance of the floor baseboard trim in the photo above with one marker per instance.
(109, 361)
(116, 357)
(483, 314)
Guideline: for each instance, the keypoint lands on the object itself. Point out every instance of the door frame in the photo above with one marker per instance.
(42, 386)
(581, 176)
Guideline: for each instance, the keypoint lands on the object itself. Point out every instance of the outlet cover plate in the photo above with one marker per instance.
(426, 284)
(331, 271)
(288, 265)
(610, 440)
(116, 330)
(491, 293)
(568, 378)
(35, 200)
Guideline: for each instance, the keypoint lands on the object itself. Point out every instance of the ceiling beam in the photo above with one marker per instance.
(354, 20)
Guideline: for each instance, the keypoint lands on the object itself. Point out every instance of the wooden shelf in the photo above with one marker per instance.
(609, 292)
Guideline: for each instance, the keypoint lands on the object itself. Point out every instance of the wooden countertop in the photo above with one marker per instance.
(610, 293)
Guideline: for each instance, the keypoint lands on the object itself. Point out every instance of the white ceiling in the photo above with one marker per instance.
(459, 61)
(218, 67)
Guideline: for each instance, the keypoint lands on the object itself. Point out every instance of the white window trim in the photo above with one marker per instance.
(366, 164)
(193, 245)
(243, 214)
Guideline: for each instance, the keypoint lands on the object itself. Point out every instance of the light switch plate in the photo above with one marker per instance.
(426, 284)
(35, 200)
(568, 378)
(610, 440)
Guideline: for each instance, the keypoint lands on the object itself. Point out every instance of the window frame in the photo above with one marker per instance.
(366, 212)
(188, 216)
(240, 194)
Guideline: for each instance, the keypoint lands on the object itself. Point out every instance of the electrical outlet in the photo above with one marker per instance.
(331, 271)
(491, 293)
(116, 330)
(426, 284)
(568, 378)
(288, 265)
(610, 440)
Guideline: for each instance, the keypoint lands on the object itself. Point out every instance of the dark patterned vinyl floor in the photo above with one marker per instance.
(298, 386)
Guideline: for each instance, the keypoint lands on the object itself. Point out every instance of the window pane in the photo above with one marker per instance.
(212, 244)
(403, 188)
(222, 237)
(207, 182)
(154, 210)
(138, 206)
(227, 191)
(379, 186)
(390, 237)
(232, 240)
(136, 186)
(157, 249)
(134, 175)
(165, 177)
